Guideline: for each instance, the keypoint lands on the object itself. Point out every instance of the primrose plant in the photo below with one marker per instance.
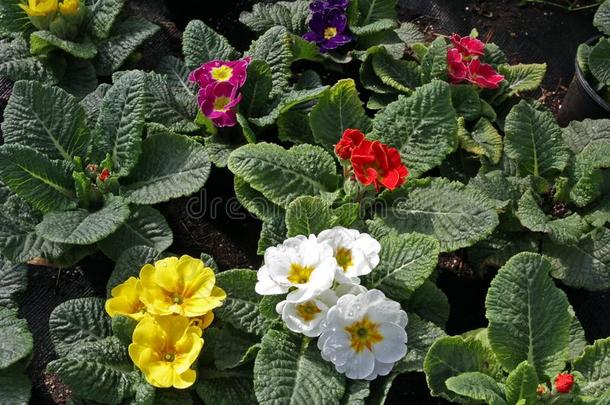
(68, 42)
(82, 177)
(533, 351)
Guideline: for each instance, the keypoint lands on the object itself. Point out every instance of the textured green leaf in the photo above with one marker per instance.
(375, 10)
(273, 232)
(374, 27)
(43, 42)
(15, 386)
(202, 44)
(369, 78)
(226, 387)
(13, 282)
(494, 55)
(586, 173)
(47, 119)
(521, 384)
(286, 102)
(125, 38)
(578, 341)
(466, 101)
(289, 370)
(500, 246)
(293, 125)
(451, 356)
(81, 227)
(92, 103)
(401, 75)
(175, 108)
(170, 166)
(119, 128)
(477, 386)
(234, 348)
(585, 264)
(594, 365)
(129, 264)
(406, 263)
(145, 227)
(521, 77)
(534, 141)
(430, 303)
(282, 175)
(16, 62)
(423, 127)
(580, 134)
(356, 392)
(80, 78)
(274, 48)
(12, 18)
(601, 20)
(488, 138)
(78, 321)
(528, 316)
(339, 108)
(289, 14)
(45, 184)
(599, 61)
(16, 341)
(256, 90)
(457, 215)
(422, 334)
(434, 63)
(241, 307)
(308, 215)
(255, 202)
(410, 33)
(103, 15)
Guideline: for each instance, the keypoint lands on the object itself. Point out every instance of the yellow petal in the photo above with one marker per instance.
(185, 379)
(168, 277)
(150, 334)
(173, 326)
(160, 374)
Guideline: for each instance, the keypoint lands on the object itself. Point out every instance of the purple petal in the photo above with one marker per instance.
(312, 37)
(338, 20)
(318, 23)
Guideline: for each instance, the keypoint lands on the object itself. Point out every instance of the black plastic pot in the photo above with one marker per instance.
(581, 100)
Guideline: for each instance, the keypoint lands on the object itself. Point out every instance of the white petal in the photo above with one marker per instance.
(336, 348)
(380, 369)
(266, 286)
(360, 365)
(393, 346)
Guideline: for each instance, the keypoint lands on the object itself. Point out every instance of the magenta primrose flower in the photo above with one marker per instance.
(234, 72)
(218, 102)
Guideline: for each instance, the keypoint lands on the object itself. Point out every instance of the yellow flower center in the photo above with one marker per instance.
(307, 310)
(169, 357)
(222, 73)
(330, 33)
(220, 103)
(299, 274)
(177, 299)
(363, 334)
(344, 258)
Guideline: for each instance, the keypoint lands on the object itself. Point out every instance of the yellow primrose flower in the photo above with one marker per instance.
(164, 348)
(39, 8)
(69, 7)
(181, 286)
(126, 300)
(202, 322)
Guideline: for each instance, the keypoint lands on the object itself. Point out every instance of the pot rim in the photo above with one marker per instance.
(584, 83)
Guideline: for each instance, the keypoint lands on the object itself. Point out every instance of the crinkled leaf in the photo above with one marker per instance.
(434, 63)
(594, 365)
(103, 15)
(273, 232)
(256, 90)
(374, 27)
(16, 62)
(274, 48)
(43, 42)
(92, 103)
(287, 102)
(578, 341)
(202, 44)
(580, 134)
(401, 75)
(226, 387)
(421, 334)
(15, 386)
(80, 78)
(292, 15)
(16, 341)
(599, 61)
(528, 316)
(12, 18)
(167, 105)
(13, 282)
(477, 386)
(466, 101)
(375, 10)
(129, 264)
(522, 77)
(430, 303)
(234, 348)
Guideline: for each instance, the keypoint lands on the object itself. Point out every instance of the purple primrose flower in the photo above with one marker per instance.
(327, 29)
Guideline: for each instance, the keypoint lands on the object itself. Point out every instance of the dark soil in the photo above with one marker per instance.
(212, 222)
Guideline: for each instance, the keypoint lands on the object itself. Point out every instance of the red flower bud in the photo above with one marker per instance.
(468, 46)
(350, 139)
(378, 164)
(564, 382)
(104, 175)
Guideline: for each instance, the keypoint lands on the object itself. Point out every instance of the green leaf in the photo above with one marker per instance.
(255, 202)
(423, 127)
(43, 42)
(80, 78)
(121, 122)
(434, 63)
(12, 18)
(241, 307)
(15, 386)
(339, 108)
(16, 63)
(356, 392)
(78, 321)
(274, 47)
(477, 386)
(273, 232)
(255, 92)
(226, 387)
(599, 61)
(522, 77)
(374, 27)
(129, 264)
(13, 282)
(410, 33)
(92, 103)
(103, 15)
(170, 166)
(287, 102)
(500, 246)
(422, 334)
(375, 10)
(488, 138)
(466, 101)
(457, 215)
(401, 75)
(406, 263)
(534, 141)
(580, 134)
(16, 341)
(202, 44)
(369, 78)
(521, 384)
(175, 108)
(234, 348)
(293, 125)
(125, 38)
(308, 215)
(81, 227)
(585, 264)
(430, 303)
(528, 316)
(601, 20)
(282, 175)
(289, 370)
(594, 365)
(450, 356)
(145, 227)
(45, 184)
(47, 119)
(292, 15)
(578, 341)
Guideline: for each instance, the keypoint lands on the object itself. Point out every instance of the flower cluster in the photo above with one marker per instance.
(61, 17)
(219, 84)
(360, 331)
(328, 24)
(373, 162)
(172, 301)
(465, 64)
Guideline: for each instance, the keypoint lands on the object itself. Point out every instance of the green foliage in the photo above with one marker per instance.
(42, 42)
(289, 14)
(103, 16)
(202, 44)
(594, 365)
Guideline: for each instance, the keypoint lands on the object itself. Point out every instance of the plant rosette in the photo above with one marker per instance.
(68, 43)
(534, 350)
(80, 177)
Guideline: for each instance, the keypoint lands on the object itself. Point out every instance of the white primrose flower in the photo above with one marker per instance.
(300, 266)
(356, 253)
(364, 335)
(306, 317)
